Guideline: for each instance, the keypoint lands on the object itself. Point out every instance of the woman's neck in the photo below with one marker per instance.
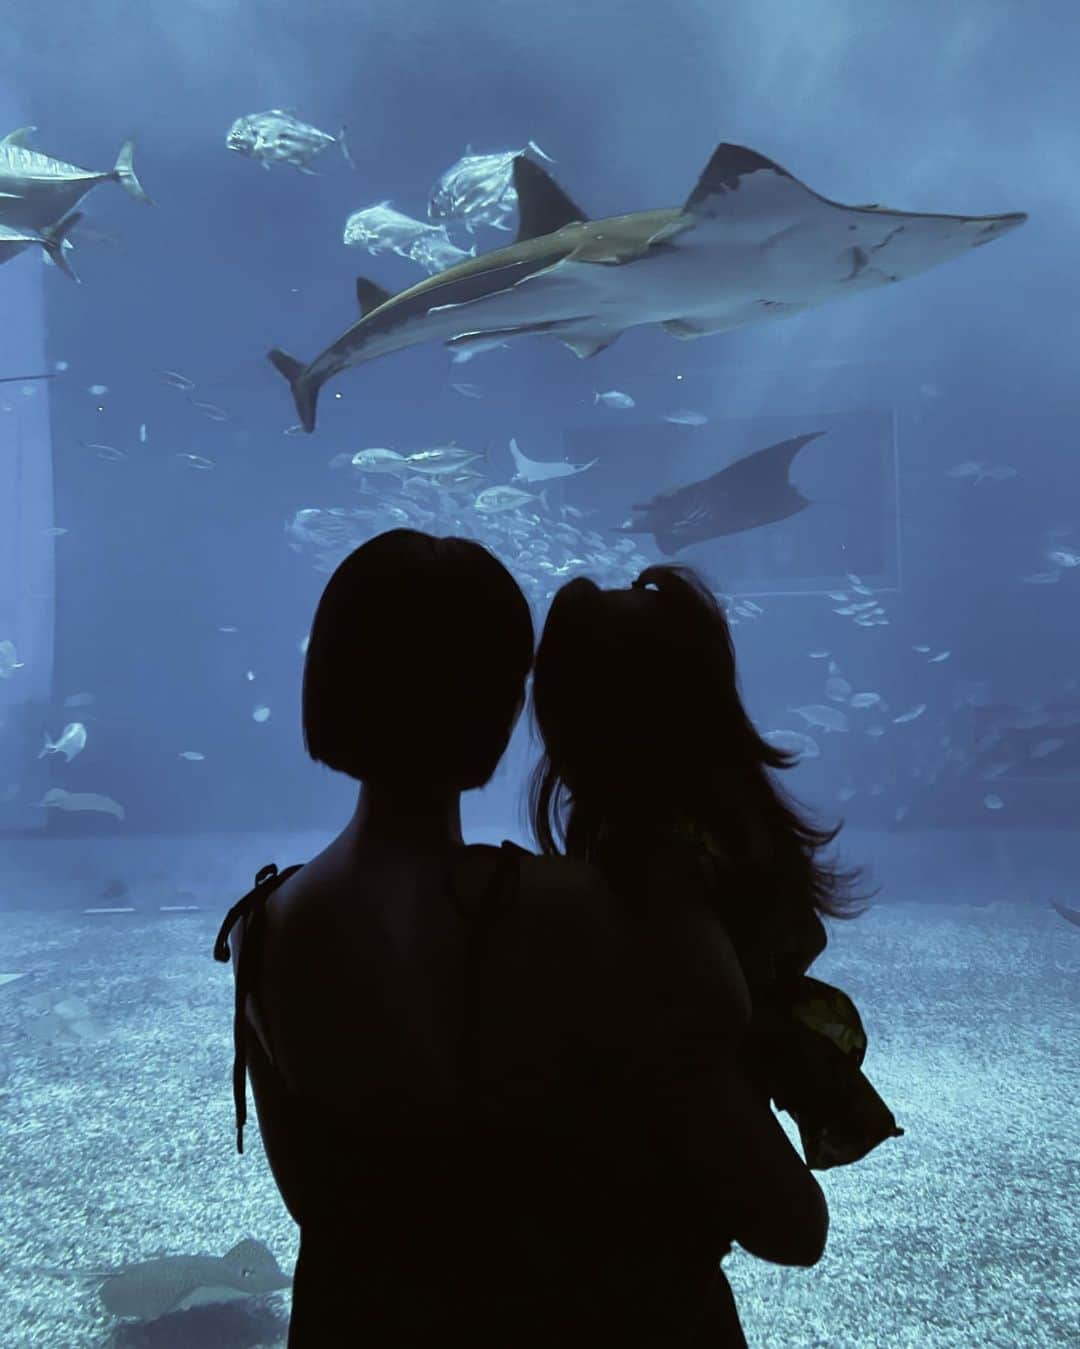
(388, 817)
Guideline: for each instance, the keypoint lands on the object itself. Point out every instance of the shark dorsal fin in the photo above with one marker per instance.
(728, 164)
(18, 137)
(543, 207)
(370, 294)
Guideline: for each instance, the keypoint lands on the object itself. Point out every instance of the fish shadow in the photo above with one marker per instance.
(253, 1323)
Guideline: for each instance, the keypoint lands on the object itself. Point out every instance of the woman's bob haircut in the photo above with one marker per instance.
(416, 664)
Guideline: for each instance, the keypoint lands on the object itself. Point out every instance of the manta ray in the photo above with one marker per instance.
(750, 243)
(751, 492)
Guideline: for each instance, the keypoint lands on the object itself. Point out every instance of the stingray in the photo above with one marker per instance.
(751, 492)
(171, 1283)
(751, 243)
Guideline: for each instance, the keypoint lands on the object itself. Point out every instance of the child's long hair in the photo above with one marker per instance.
(636, 700)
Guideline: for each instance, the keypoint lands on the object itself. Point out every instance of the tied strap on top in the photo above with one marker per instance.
(250, 911)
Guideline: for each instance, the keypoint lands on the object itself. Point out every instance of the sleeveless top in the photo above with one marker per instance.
(498, 1228)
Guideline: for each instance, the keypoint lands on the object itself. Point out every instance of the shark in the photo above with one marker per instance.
(754, 491)
(751, 243)
(539, 470)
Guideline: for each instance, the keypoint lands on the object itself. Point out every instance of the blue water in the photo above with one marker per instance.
(972, 802)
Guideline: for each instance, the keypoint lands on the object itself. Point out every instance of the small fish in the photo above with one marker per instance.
(1049, 746)
(279, 137)
(838, 596)
(107, 452)
(614, 398)
(922, 650)
(493, 500)
(142, 433)
(793, 742)
(177, 381)
(837, 690)
(194, 460)
(685, 418)
(1064, 557)
(98, 390)
(61, 366)
(828, 718)
(993, 802)
(261, 713)
(296, 430)
(845, 794)
(464, 349)
(941, 655)
(468, 390)
(379, 460)
(211, 410)
(228, 627)
(479, 189)
(71, 741)
(910, 715)
(54, 531)
(875, 731)
(866, 700)
(192, 755)
(818, 655)
(80, 700)
(92, 801)
(8, 660)
(381, 228)
(1041, 578)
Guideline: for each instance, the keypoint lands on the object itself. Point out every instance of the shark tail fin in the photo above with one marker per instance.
(124, 173)
(343, 143)
(53, 239)
(303, 392)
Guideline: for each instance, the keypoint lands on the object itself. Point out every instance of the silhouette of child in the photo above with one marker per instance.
(806, 1042)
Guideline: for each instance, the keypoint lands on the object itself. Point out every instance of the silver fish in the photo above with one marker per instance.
(211, 410)
(177, 381)
(793, 742)
(496, 499)
(479, 189)
(686, 418)
(615, 398)
(37, 190)
(380, 229)
(9, 663)
(70, 741)
(828, 718)
(62, 800)
(279, 137)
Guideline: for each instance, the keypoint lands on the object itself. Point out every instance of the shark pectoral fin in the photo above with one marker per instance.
(370, 295)
(583, 347)
(18, 137)
(543, 207)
